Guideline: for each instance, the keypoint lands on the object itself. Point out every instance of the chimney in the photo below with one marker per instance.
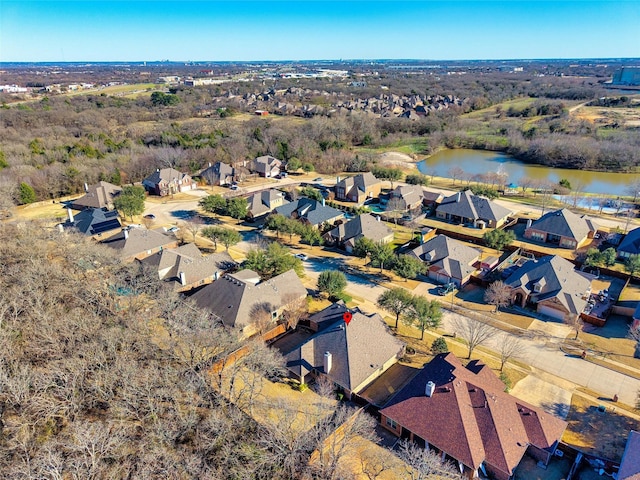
(60, 228)
(323, 201)
(459, 195)
(338, 179)
(86, 187)
(157, 169)
(378, 218)
(126, 233)
(327, 362)
(70, 214)
(209, 164)
(430, 388)
(183, 279)
(529, 222)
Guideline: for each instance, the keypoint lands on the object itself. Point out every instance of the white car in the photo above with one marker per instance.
(301, 256)
(173, 229)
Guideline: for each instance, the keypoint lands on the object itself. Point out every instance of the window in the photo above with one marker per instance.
(391, 423)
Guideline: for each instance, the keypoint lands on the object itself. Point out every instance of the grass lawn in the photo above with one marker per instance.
(599, 433)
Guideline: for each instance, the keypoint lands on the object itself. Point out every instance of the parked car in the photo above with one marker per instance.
(319, 179)
(173, 229)
(150, 216)
(446, 289)
(234, 187)
(301, 256)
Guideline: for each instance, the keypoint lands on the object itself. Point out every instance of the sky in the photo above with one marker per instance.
(238, 30)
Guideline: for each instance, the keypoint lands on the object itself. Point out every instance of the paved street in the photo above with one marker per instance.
(539, 351)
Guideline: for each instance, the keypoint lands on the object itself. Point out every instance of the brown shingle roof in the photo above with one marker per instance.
(470, 417)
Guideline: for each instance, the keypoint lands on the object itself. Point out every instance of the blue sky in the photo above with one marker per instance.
(304, 29)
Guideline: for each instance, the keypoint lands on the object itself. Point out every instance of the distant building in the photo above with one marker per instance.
(218, 174)
(139, 243)
(563, 228)
(100, 195)
(358, 188)
(626, 76)
(467, 208)
(94, 222)
(366, 225)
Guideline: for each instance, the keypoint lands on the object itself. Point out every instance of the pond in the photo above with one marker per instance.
(478, 162)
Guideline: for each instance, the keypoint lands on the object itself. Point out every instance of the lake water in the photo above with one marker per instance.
(479, 161)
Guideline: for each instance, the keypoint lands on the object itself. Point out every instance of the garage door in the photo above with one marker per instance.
(551, 312)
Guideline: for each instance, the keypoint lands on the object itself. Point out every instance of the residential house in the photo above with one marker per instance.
(467, 208)
(563, 228)
(264, 202)
(552, 285)
(464, 414)
(93, 221)
(406, 198)
(186, 268)
(448, 260)
(341, 351)
(630, 463)
(138, 243)
(241, 300)
(310, 211)
(266, 166)
(100, 195)
(432, 199)
(366, 225)
(167, 181)
(630, 244)
(358, 188)
(218, 174)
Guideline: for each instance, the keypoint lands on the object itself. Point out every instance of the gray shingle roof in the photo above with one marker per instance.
(409, 194)
(565, 223)
(364, 225)
(361, 181)
(630, 464)
(631, 242)
(450, 255)
(138, 240)
(466, 204)
(164, 175)
(310, 210)
(100, 195)
(556, 277)
(354, 358)
(260, 202)
(188, 259)
(234, 300)
(219, 172)
(94, 221)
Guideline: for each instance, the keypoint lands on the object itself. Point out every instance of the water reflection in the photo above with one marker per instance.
(474, 162)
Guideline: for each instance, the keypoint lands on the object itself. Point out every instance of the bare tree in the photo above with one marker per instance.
(425, 464)
(575, 322)
(510, 346)
(474, 332)
(193, 226)
(498, 294)
(297, 309)
(395, 209)
(526, 183)
(455, 173)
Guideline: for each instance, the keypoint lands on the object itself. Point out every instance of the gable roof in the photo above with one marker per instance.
(365, 225)
(260, 202)
(94, 221)
(266, 163)
(452, 256)
(310, 210)
(188, 260)
(100, 195)
(361, 181)
(138, 240)
(631, 242)
(630, 463)
(410, 194)
(467, 205)
(556, 277)
(218, 172)
(483, 423)
(565, 223)
(234, 299)
(353, 359)
(167, 175)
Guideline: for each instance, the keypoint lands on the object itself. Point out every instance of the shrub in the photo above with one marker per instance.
(439, 345)
(506, 380)
(302, 387)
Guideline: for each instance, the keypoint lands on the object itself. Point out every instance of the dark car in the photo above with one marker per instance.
(150, 216)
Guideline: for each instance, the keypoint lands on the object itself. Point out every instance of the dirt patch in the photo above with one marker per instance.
(397, 159)
(599, 433)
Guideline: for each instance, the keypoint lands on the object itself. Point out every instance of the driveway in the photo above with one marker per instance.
(551, 398)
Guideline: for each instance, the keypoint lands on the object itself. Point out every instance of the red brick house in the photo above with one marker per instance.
(464, 414)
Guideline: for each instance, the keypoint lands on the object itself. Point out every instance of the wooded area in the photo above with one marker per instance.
(57, 143)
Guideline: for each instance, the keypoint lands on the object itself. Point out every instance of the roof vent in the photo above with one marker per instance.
(430, 388)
